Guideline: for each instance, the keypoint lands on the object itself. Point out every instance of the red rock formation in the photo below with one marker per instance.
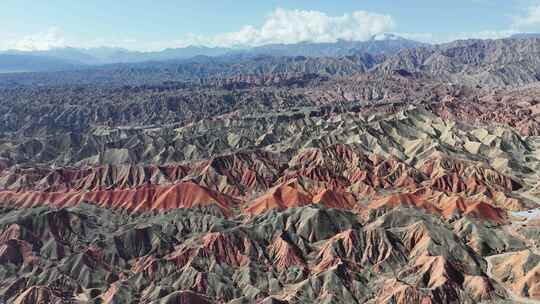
(148, 197)
(288, 195)
(404, 200)
(481, 288)
(437, 272)
(285, 254)
(336, 199)
(397, 292)
(226, 248)
(448, 207)
(238, 173)
(486, 211)
(343, 246)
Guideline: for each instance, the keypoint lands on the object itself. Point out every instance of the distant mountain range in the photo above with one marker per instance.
(396, 53)
(72, 58)
(18, 63)
(108, 55)
(525, 35)
(474, 62)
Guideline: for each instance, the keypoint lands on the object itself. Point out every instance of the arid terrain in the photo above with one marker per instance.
(405, 176)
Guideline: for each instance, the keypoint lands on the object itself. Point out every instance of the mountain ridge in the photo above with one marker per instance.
(107, 55)
(492, 63)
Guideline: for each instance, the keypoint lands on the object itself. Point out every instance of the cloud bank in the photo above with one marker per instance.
(531, 19)
(293, 26)
(49, 39)
(281, 26)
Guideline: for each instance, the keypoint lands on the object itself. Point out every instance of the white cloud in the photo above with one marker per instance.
(293, 26)
(52, 38)
(530, 20)
(280, 26)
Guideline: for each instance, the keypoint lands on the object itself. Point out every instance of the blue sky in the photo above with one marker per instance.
(153, 25)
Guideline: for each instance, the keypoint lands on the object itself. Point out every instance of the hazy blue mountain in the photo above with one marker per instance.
(14, 63)
(69, 58)
(69, 54)
(387, 44)
(106, 55)
(525, 35)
